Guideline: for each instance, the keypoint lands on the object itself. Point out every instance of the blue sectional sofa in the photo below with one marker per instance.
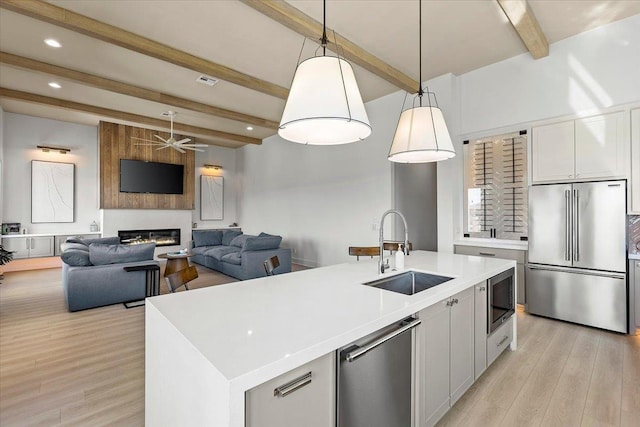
(93, 272)
(238, 255)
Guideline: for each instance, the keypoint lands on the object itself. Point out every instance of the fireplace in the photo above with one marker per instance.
(164, 237)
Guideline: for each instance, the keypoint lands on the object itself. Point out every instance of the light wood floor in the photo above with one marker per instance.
(87, 368)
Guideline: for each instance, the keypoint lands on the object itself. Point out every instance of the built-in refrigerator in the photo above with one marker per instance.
(577, 253)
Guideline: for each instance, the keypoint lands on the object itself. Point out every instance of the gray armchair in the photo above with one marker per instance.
(94, 275)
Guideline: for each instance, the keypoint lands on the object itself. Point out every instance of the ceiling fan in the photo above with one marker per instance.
(171, 142)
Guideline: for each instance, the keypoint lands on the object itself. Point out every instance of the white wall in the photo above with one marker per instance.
(320, 199)
(21, 136)
(582, 75)
(225, 157)
(1, 160)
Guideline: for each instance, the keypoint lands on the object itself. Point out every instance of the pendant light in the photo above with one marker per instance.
(324, 106)
(421, 135)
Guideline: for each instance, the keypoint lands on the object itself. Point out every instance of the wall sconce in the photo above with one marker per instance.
(214, 167)
(46, 149)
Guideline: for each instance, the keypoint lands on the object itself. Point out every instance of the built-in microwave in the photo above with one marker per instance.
(501, 299)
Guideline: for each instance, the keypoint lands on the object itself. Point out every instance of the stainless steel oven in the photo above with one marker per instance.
(501, 299)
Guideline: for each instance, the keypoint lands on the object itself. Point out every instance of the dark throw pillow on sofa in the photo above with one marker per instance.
(207, 238)
(238, 241)
(76, 257)
(262, 243)
(71, 245)
(229, 235)
(100, 254)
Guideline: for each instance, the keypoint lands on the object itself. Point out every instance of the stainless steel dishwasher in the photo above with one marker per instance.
(375, 385)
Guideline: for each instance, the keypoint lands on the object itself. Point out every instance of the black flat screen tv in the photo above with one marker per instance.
(137, 176)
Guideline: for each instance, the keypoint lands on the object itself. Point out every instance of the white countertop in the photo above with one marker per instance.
(634, 256)
(493, 243)
(13, 236)
(255, 330)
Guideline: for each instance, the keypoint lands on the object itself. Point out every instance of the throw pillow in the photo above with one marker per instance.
(100, 254)
(70, 245)
(207, 238)
(239, 240)
(262, 243)
(104, 240)
(229, 235)
(263, 234)
(76, 257)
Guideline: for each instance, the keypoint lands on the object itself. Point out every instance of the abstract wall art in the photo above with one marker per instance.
(52, 191)
(211, 197)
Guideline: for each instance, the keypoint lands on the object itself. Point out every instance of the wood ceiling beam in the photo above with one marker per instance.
(121, 115)
(55, 15)
(131, 90)
(526, 25)
(292, 18)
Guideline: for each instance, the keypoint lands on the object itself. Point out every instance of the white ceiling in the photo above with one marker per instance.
(458, 36)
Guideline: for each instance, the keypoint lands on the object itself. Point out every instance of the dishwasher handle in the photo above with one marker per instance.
(357, 351)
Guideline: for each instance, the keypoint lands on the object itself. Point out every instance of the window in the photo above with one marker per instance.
(495, 186)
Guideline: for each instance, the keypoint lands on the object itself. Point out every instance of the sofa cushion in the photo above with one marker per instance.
(239, 241)
(201, 250)
(103, 240)
(70, 245)
(76, 257)
(207, 238)
(262, 243)
(229, 235)
(263, 234)
(101, 254)
(233, 258)
(219, 251)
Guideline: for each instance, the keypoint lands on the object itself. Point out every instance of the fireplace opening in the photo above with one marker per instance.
(165, 237)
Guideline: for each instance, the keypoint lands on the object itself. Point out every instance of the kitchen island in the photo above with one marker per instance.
(205, 348)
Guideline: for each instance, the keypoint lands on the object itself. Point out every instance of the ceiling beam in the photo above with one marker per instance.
(121, 115)
(292, 18)
(526, 25)
(55, 15)
(131, 90)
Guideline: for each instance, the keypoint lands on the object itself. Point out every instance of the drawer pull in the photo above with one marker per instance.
(487, 254)
(502, 341)
(292, 386)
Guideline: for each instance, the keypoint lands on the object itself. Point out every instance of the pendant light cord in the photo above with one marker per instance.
(324, 28)
(420, 91)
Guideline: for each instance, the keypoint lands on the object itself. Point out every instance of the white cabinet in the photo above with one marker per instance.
(552, 152)
(29, 247)
(304, 396)
(446, 354)
(480, 329)
(635, 162)
(634, 269)
(589, 148)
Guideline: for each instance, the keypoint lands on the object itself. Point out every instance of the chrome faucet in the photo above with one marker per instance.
(381, 266)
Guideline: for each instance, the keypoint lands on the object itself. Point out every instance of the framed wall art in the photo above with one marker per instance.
(211, 197)
(52, 191)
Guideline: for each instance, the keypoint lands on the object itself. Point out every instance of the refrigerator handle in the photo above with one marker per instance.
(576, 225)
(567, 234)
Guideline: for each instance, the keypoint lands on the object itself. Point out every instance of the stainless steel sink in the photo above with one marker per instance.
(409, 283)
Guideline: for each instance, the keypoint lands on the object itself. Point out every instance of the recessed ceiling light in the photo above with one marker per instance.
(52, 42)
(55, 85)
(249, 127)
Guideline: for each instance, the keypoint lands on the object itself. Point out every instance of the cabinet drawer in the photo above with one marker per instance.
(304, 396)
(518, 256)
(499, 340)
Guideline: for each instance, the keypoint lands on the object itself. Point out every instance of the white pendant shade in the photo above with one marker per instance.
(421, 136)
(324, 106)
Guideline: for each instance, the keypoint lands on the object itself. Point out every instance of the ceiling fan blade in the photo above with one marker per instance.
(161, 139)
(194, 145)
(175, 147)
(164, 146)
(182, 141)
(150, 143)
(192, 149)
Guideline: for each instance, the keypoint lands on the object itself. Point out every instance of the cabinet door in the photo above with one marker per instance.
(434, 365)
(522, 288)
(41, 246)
(18, 245)
(637, 280)
(461, 344)
(303, 397)
(480, 329)
(635, 162)
(600, 146)
(552, 152)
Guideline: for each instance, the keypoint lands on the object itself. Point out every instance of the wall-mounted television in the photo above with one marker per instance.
(137, 176)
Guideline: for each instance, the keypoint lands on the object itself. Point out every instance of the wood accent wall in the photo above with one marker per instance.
(115, 144)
